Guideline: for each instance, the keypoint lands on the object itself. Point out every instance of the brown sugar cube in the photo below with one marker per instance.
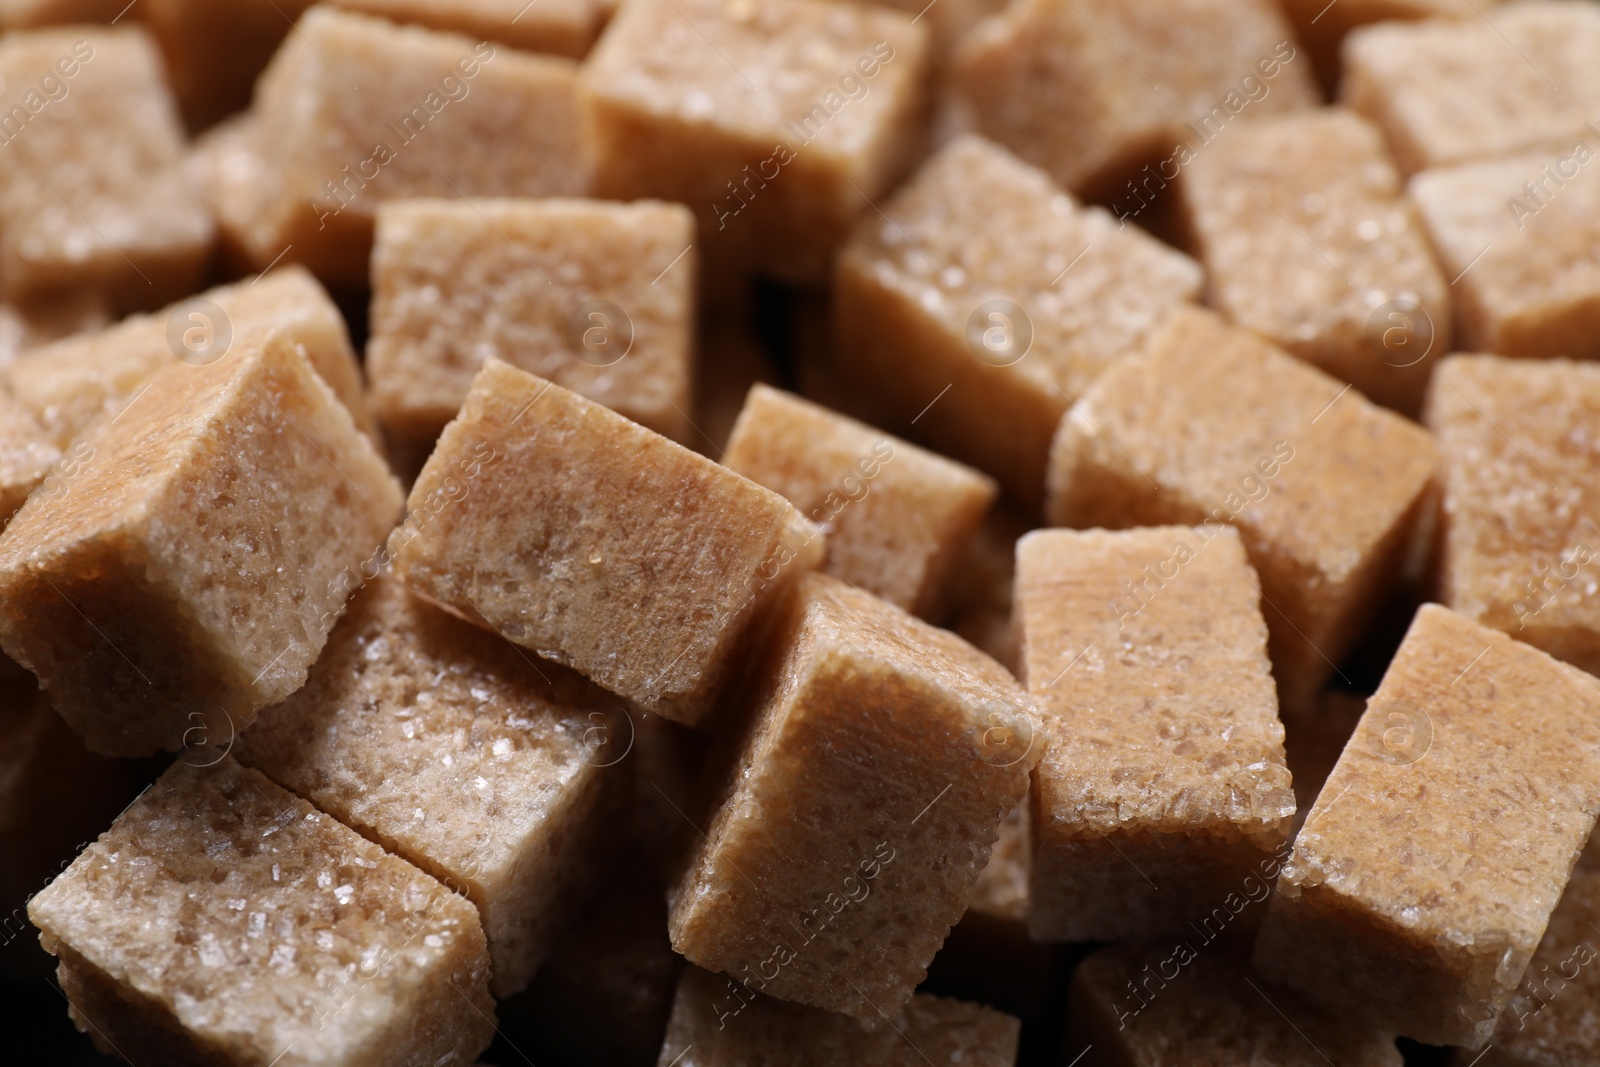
(1154, 1004)
(215, 49)
(408, 701)
(855, 879)
(26, 455)
(94, 194)
(594, 296)
(985, 300)
(182, 576)
(565, 27)
(597, 543)
(1520, 552)
(1518, 235)
(1445, 91)
(1308, 240)
(222, 920)
(1067, 84)
(1211, 424)
(718, 1023)
(1399, 904)
(898, 517)
(776, 168)
(1323, 26)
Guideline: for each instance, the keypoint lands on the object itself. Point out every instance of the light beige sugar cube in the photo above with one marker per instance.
(1211, 424)
(565, 27)
(776, 122)
(1322, 27)
(983, 302)
(215, 49)
(26, 455)
(222, 920)
(1398, 905)
(1308, 240)
(180, 577)
(591, 540)
(855, 880)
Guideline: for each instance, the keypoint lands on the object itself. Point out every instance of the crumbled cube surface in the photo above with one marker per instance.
(576, 291)
(984, 301)
(1521, 477)
(1308, 240)
(1210, 422)
(1518, 235)
(215, 49)
(855, 878)
(26, 455)
(1397, 905)
(185, 573)
(408, 701)
(778, 122)
(899, 517)
(717, 1023)
(1517, 77)
(1322, 27)
(565, 27)
(222, 920)
(581, 535)
(93, 194)
(1091, 90)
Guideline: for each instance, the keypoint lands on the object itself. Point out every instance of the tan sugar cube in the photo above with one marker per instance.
(777, 122)
(407, 702)
(718, 1023)
(855, 879)
(215, 49)
(898, 517)
(1322, 27)
(1212, 424)
(565, 27)
(175, 579)
(26, 455)
(222, 920)
(1518, 235)
(1308, 240)
(1401, 904)
(1066, 84)
(597, 543)
(985, 300)
(594, 296)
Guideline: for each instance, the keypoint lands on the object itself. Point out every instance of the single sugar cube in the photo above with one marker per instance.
(215, 49)
(854, 878)
(984, 301)
(1212, 424)
(596, 297)
(589, 539)
(898, 517)
(1308, 240)
(1398, 906)
(1323, 27)
(26, 455)
(176, 581)
(778, 122)
(1164, 784)
(409, 702)
(565, 27)
(223, 920)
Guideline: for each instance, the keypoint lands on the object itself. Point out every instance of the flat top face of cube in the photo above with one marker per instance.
(26, 455)
(251, 916)
(977, 229)
(1206, 410)
(1551, 1017)
(1474, 748)
(1522, 480)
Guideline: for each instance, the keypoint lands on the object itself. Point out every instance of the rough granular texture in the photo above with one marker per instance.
(1322, 26)
(985, 300)
(1518, 235)
(1521, 460)
(576, 291)
(776, 121)
(1445, 91)
(1211, 423)
(1307, 240)
(1164, 782)
(591, 540)
(93, 194)
(1398, 905)
(215, 49)
(1067, 84)
(221, 920)
(408, 702)
(1153, 1004)
(868, 788)
(185, 576)
(565, 27)
(26, 455)
(717, 1023)
(72, 385)
(898, 517)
